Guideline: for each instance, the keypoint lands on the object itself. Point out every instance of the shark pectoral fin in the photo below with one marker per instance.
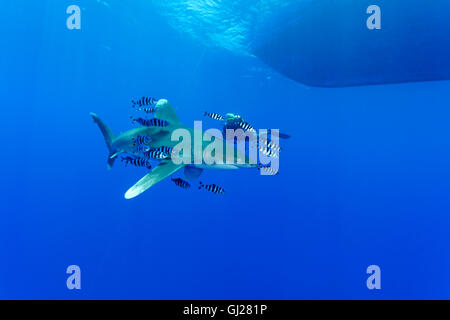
(192, 173)
(163, 170)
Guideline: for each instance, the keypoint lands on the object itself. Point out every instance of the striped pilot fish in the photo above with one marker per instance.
(164, 149)
(147, 110)
(136, 161)
(144, 101)
(244, 125)
(141, 140)
(270, 145)
(214, 116)
(156, 154)
(268, 152)
(140, 148)
(154, 122)
(181, 183)
(212, 188)
(267, 170)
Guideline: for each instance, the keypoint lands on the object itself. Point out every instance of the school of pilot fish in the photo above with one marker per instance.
(142, 154)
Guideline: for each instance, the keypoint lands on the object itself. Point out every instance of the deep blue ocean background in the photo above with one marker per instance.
(364, 179)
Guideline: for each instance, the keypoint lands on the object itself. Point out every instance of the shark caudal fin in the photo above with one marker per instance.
(109, 137)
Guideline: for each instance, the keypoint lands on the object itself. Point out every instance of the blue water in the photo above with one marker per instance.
(364, 179)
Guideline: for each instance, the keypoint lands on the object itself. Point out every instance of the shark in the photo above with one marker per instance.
(160, 137)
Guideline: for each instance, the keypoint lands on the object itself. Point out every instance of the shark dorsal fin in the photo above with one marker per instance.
(165, 111)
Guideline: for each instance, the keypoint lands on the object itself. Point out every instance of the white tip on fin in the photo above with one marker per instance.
(162, 171)
(165, 111)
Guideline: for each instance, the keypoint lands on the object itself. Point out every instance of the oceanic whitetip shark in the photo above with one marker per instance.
(161, 136)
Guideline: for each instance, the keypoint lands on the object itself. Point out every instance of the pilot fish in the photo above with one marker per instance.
(144, 101)
(155, 154)
(164, 149)
(148, 110)
(140, 148)
(268, 170)
(181, 183)
(214, 116)
(154, 122)
(139, 140)
(270, 145)
(136, 161)
(268, 152)
(244, 125)
(212, 188)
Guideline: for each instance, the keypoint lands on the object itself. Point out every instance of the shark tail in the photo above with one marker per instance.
(109, 138)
